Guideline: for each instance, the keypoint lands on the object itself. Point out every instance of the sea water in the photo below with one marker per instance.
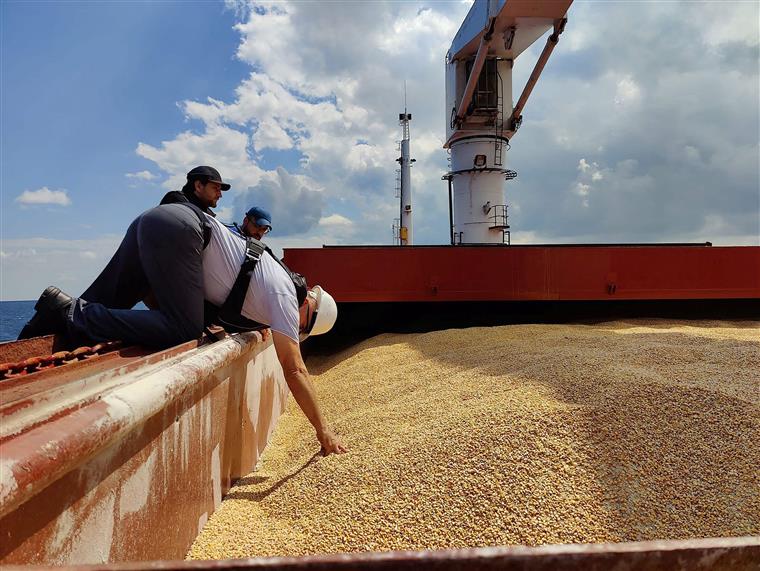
(13, 316)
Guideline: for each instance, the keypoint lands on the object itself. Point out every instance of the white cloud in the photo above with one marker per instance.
(423, 31)
(717, 225)
(20, 253)
(628, 91)
(32, 264)
(218, 145)
(582, 189)
(639, 115)
(590, 172)
(270, 135)
(727, 22)
(691, 154)
(335, 109)
(44, 196)
(335, 220)
(142, 175)
(294, 201)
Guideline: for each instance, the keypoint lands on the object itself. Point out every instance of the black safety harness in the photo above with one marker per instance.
(229, 315)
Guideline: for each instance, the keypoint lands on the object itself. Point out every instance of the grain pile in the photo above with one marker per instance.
(522, 434)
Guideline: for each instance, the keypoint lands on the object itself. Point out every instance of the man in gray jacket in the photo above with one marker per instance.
(160, 256)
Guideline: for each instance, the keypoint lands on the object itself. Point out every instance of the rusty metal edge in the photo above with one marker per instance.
(28, 464)
(20, 392)
(708, 553)
(17, 399)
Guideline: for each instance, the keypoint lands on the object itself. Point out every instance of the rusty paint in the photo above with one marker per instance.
(35, 389)
(154, 443)
(38, 363)
(86, 424)
(33, 355)
(13, 351)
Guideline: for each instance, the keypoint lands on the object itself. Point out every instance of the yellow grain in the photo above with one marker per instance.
(521, 434)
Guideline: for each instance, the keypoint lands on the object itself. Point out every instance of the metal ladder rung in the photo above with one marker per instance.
(498, 158)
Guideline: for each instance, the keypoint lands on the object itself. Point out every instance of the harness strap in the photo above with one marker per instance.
(230, 315)
(205, 226)
(234, 302)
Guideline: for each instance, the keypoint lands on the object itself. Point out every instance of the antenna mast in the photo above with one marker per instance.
(405, 217)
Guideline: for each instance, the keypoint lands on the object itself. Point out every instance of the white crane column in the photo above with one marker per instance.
(481, 118)
(478, 163)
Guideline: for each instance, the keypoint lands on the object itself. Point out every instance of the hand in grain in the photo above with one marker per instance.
(612, 432)
(331, 444)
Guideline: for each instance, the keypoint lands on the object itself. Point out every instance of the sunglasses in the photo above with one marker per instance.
(262, 229)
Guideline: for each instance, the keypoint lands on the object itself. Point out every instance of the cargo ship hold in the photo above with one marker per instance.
(529, 407)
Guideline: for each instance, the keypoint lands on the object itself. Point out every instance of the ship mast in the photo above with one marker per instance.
(406, 229)
(403, 229)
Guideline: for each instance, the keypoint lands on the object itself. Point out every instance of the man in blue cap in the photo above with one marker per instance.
(256, 223)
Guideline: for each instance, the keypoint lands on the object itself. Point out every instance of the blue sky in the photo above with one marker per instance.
(82, 83)
(643, 127)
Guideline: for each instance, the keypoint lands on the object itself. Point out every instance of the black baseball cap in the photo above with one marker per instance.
(209, 174)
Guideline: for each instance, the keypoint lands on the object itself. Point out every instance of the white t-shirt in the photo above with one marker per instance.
(271, 298)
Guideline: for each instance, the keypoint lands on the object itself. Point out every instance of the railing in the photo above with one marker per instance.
(499, 220)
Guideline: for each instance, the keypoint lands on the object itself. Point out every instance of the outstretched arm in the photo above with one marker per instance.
(297, 377)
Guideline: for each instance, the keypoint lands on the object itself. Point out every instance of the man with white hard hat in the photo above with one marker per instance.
(261, 291)
(251, 288)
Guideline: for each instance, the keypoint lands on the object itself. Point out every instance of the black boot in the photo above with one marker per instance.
(52, 308)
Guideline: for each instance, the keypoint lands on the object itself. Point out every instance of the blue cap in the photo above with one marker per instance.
(260, 216)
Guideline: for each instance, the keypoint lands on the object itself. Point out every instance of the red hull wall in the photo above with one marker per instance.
(472, 273)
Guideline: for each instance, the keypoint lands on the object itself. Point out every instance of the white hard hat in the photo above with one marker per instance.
(326, 312)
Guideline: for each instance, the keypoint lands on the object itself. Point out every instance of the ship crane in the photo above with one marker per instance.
(482, 118)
